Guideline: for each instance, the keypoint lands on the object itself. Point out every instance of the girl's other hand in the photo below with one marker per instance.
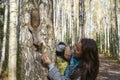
(67, 53)
(46, 59)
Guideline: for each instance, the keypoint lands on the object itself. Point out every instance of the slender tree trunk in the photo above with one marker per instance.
(13, 40)
(105, 36)
(108, 25)
(81, 18)
(108, 39)
(118, 23)
(72, 21)
(4, 35)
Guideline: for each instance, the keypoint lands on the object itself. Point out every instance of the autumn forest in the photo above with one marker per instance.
(30, 28)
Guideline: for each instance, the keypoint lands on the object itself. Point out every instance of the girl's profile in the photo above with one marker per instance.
(83, 62)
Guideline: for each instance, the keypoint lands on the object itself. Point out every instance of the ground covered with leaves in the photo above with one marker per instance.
(109, 69)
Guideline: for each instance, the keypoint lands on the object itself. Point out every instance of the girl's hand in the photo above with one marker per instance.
(67, 53)
(46, 59)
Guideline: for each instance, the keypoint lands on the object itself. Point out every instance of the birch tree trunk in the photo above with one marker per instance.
(36, 37)
(72, 21)
(4, 36)
(13, 40)
(107, 4)
(118, 21)
(81, 18)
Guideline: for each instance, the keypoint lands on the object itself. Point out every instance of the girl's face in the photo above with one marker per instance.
(77, 50)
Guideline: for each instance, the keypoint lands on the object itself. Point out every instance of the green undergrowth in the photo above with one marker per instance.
(112, 57)
(116, 58)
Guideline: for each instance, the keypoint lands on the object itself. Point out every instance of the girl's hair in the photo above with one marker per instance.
(89, 67)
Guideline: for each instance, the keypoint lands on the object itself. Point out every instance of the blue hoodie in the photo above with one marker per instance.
(72, 64)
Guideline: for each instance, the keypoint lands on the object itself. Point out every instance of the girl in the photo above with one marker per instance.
(83, 63)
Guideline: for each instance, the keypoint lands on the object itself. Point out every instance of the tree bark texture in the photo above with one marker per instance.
(36, 37)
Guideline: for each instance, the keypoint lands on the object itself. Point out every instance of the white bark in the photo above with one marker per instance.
(58, 26)
(4, 35)
(54, 17)
(13, 40)
(119, 33)
(118, 21)
(78, 29)
(107, 4)
(105, 36)
(108, 39)
(61, 18)
(72, 21)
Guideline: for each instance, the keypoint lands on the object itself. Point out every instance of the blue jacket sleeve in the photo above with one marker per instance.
(54, 73)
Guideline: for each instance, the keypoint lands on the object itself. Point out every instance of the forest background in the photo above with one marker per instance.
(29, 28)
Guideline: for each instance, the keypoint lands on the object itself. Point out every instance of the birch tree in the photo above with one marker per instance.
(13, 40)
(117, 12)
(36, 37)
(118, 21)
(4, 35)
(81, 19)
